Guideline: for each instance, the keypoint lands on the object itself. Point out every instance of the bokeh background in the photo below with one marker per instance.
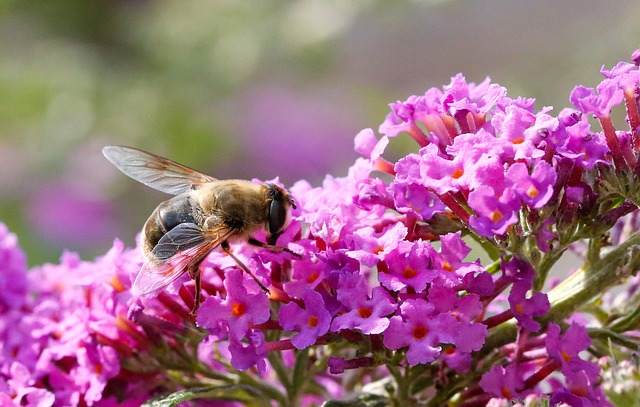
(244, 89)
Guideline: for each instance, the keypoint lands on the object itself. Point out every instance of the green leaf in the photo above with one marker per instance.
(365, 400)
(227, 392)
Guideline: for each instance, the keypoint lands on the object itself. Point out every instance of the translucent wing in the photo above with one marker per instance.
(181, 250)
(154, 171)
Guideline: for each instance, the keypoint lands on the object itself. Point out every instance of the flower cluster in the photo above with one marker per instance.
(385, 283)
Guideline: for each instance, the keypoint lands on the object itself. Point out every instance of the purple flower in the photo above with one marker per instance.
(404, 115)
(442, 174)
(546, 130)
(368, 315)
(512, 126)
(583, 147)
(415, 198)
(409, 265)
(372, 192)
(253, 353)
(371, 247)
(456, 360)
(544, 235)
(418, 327)
(524, 308)
(494, 213)
(408, 169)
(453, 250)
(336, 365)
(312, 321)
(368, 145)
(503, 382)
(13, 272)
(517, 270)
(379, 282)
(237, 312)
(580, 390)
(456, 273)
(535, 188)
(308, 273)
(460, 96)
(587, 101)
(464, 334)
(96, 365)
(566, 349)
(21, 389)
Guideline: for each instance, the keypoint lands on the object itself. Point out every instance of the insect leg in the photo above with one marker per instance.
(273, 248)
(227, 249)
(196, 303)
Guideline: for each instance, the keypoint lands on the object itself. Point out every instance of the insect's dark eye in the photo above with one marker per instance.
(277, 216)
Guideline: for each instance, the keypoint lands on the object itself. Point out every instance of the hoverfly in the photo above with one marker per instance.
(204, 214)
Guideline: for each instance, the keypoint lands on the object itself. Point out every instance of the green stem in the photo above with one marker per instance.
(268, 392)
(627, 342)
(630, 321)
(595, 278)
(543, 268)
(578, 289)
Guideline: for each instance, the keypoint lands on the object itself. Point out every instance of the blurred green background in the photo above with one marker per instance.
(241, 89)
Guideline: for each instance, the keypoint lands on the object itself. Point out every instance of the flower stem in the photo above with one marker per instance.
(594, 279)
(578, 289)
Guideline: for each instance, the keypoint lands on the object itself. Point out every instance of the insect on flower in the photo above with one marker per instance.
(204, 214)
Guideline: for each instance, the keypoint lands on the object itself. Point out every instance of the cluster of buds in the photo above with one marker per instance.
(387, 301)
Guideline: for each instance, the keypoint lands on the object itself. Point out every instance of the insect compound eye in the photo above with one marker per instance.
(277, 216)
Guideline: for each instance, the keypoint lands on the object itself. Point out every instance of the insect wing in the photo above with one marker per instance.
(154, 171)
(181, 250)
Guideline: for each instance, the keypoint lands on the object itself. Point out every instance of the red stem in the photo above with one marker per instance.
(455, 207)
(498, 319)
(548, 368)
(633, 115)
(613, 143)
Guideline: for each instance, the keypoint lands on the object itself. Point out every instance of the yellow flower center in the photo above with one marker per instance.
(238, 310)
(532, 192)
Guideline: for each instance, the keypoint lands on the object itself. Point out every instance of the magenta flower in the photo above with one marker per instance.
(503, 382)
(524, 309)
(495, 211)
(600, 104)
(367, 144)
(566, 348)
(234, 315)
(418, 327)
(416, 199)
(371, 247)
(441, 174)
(400, 275)
(535, 188)
(544, 235)
(312, 322)
(252, 354)
(367, 315)
(466, 335)
(21, 389)
(580, 390)
(583, 147)
(409, 265)
(13, 266)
